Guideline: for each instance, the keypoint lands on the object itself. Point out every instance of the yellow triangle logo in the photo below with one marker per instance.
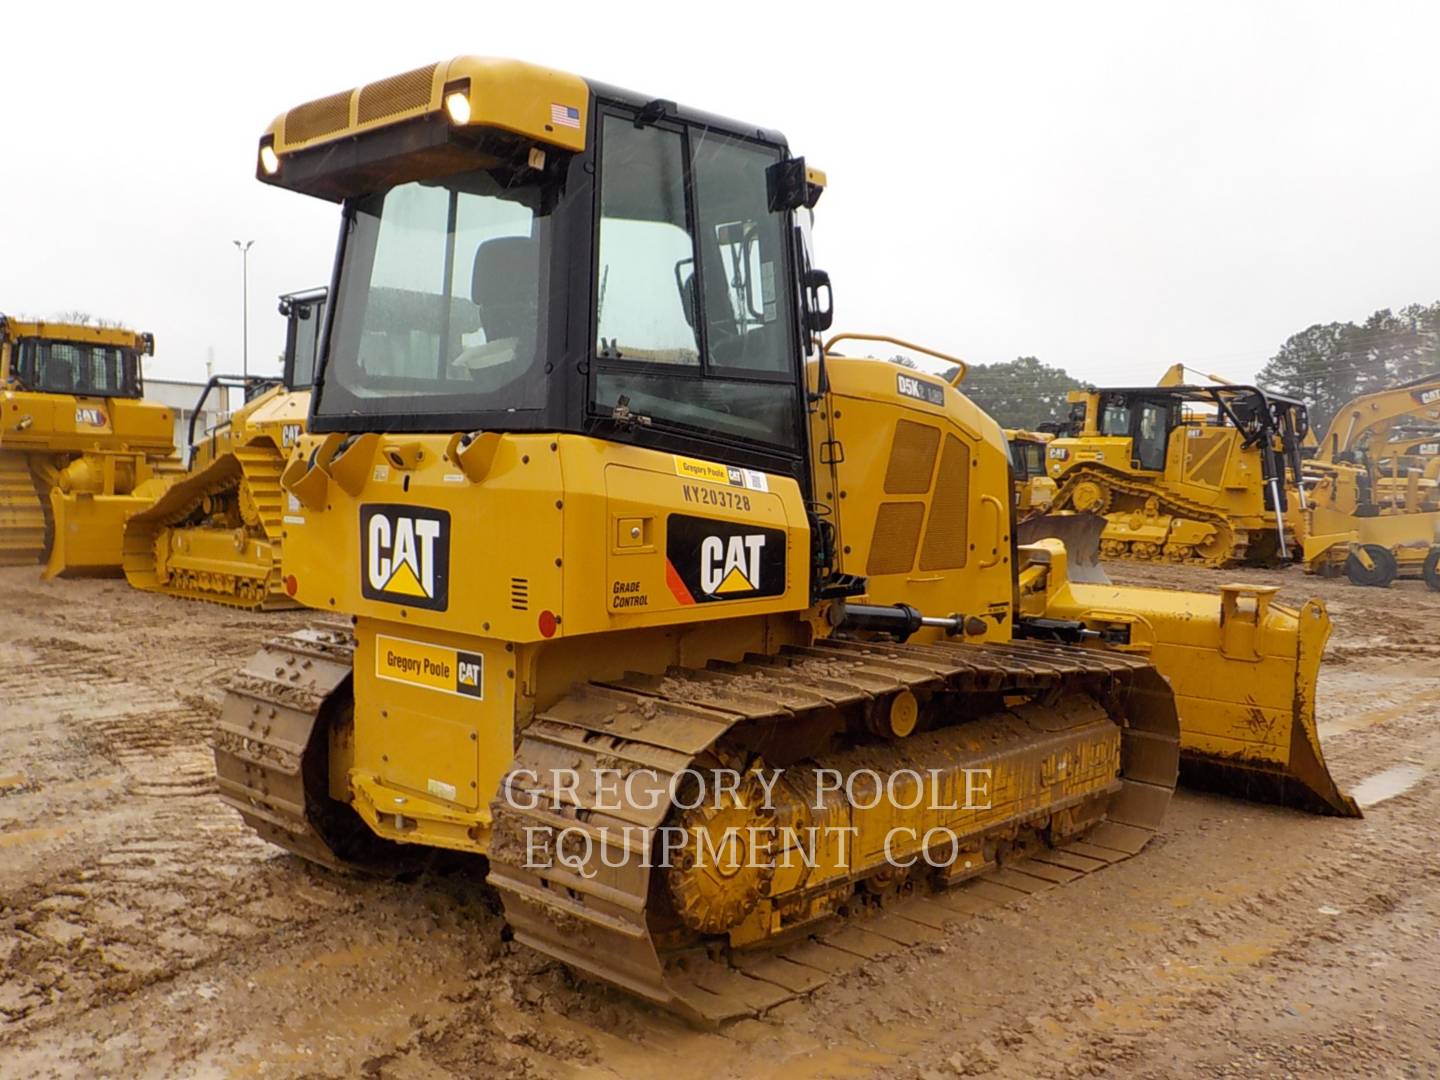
(734, 582)
(403, 582)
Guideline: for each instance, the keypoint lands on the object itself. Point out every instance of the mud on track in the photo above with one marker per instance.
(144, 932)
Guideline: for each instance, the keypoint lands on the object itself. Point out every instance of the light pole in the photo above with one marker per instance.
(244, 249)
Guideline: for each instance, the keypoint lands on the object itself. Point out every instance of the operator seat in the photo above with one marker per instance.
(505, 286)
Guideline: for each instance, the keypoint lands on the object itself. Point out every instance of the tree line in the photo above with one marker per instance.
(1324, 365)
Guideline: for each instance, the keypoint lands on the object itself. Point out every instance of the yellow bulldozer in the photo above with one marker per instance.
(705, 636)
(216, 532)
(1372, 485)
(1034, 490)
(1193, 474)
(76, 440)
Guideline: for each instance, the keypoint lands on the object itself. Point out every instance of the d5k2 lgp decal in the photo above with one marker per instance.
(722, 560)
(405, 555)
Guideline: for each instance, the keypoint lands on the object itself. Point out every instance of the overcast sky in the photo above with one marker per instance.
(1110, 187)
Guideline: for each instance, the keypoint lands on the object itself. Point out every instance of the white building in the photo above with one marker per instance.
(182, 397)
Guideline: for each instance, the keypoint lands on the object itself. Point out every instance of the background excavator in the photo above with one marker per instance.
(76, 440)
(1373, 514)
(216, 532)
(1184, 474)
(596, 552)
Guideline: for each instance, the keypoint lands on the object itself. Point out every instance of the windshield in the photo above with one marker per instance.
(72, 367)
(441, 301)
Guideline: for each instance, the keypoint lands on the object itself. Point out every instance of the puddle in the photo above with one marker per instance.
(1386, 785)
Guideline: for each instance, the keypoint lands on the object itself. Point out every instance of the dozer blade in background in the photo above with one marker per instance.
(89, 533)
(1079, 532)
(1243, 668)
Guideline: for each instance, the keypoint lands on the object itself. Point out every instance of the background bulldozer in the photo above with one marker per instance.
(1184, 474)
(1034, 490)
(75, 443)
(216, 533)
(599, 555)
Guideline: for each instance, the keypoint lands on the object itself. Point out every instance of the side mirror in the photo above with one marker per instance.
(818, 315)
(785, 185)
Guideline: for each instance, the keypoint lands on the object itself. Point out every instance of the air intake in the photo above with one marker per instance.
(397, 94)
(520, 593)
(317, 118)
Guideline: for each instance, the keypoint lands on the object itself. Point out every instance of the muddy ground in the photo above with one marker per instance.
(144, 932)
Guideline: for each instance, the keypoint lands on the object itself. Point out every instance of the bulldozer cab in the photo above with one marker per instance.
(1147, 417)
(52, 360)
(644, 289)
(1145, 422)
(304, 319)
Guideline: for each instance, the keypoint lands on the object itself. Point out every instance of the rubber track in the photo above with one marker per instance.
(1169, 505)
(598, 925)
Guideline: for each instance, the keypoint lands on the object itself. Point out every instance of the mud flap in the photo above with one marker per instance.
(1243, 669)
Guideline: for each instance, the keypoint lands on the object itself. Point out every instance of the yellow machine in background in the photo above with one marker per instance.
(1363, 424)
(1034, 490)
(701, 634)
(1375, 503)
(216, 533)
(1184, 474)
(75, 442)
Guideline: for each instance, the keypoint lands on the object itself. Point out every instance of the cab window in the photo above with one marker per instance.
(70, 367)
(1151, 435)
(692, 328)
(1115, 419)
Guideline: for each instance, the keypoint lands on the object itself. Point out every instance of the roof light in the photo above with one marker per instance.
(457, 104)
(269, 160)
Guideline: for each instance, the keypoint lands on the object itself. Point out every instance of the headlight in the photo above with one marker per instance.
(458, 106)
(269, 160)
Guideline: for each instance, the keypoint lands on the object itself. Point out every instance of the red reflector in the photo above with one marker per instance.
(292, 586)
(548, 623)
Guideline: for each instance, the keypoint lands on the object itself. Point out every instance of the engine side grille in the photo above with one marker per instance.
(947, 534)
(912, 458)
(896, 535)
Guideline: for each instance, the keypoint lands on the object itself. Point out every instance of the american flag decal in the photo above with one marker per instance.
(565, 116)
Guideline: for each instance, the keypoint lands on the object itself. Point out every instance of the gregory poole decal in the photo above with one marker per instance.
(405, 556)
(435, 667)
(709, 560)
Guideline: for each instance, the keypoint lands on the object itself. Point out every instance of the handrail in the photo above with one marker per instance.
(954, 381)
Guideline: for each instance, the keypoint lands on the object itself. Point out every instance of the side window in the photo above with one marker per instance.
(746, 327)
(1115, 420)
(1151, 437)
(692, 325)
(646, 300)
(1034, 459)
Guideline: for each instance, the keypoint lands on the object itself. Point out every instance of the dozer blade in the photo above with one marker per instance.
(1243, 669)
(89, 530)
(1079, 532)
